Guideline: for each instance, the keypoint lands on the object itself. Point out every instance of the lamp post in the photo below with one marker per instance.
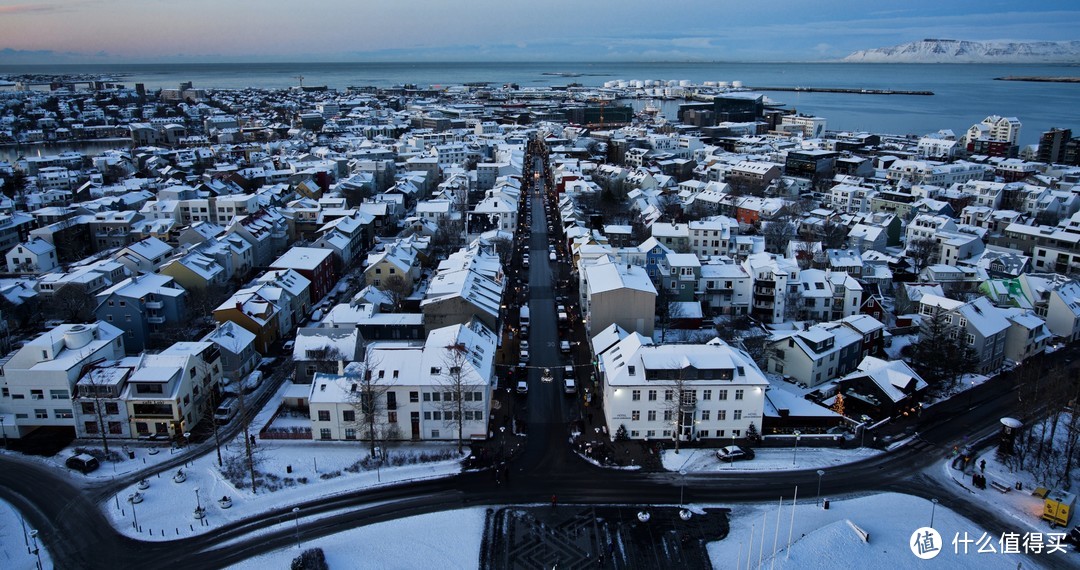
(4, 430)
(933, 507)
(796, 453)
(296, 520)
(131, 499)
(682, 485)
(378, 464)
(820, 472)
(198, 503)
(36, 551)
(731, 459)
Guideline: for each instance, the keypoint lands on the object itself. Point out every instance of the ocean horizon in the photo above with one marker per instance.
(964, 94)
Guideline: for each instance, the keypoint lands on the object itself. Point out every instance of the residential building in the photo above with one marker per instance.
(141, 306)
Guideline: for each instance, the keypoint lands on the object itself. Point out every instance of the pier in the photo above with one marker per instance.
(843, 90)
(1038, 79)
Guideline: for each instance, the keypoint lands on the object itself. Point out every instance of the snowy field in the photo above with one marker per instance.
(704, 460)
(16, 547)
(318, 470)
(824, 539)
(448, 539)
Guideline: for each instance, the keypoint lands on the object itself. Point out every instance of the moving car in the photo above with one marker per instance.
(522, 387)
(564, 347)
(569, 385)
(82, 463)
(734, 453)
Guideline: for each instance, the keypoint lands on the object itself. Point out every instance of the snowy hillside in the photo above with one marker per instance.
(961, 51)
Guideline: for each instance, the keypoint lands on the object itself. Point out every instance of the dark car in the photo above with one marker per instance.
(83, 463)
(734, 453)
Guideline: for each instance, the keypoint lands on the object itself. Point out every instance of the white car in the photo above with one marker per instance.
(564, 347)
(551, 256)
(522, 387)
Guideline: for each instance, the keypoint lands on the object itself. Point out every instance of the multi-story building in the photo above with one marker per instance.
(982, 325)
(142, 305)
(775, 280)
(690, 391)
(410, 383)
(38, 379)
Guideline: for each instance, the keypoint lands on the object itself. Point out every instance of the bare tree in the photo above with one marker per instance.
(367, 396)
(398, 289)
(72, 303)
(922, 252)
(94, 388)
(679, 403)
(777, 234)
(462, 392)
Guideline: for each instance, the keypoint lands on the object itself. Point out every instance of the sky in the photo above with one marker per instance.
(136, 31)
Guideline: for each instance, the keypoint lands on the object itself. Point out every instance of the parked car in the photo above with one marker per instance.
(82, 463)
(551, 256)
(226, 410)
(252, 381)
(734, 453)
(522, 387)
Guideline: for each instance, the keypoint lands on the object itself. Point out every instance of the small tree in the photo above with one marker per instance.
(922, 252)
(368, 399)
(777, 234)
(459, 389)
(621, 434)
(72, 303)
(94, 388)
(398, 289)
(679, 400)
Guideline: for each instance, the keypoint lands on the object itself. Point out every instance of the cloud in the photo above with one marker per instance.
(15, 9)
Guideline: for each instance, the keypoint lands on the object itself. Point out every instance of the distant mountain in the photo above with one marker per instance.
(961, 51)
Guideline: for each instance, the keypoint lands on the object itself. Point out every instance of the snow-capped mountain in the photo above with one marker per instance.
(961, 51)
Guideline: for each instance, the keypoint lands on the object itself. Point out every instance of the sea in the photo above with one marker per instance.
(964, 94)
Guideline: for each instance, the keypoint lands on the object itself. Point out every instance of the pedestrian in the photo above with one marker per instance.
(554, 501)
(982, 466)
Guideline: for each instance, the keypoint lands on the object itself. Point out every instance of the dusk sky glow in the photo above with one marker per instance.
(121, 31)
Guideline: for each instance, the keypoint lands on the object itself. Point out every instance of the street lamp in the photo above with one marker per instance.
(4, 430)
(820, 472)
(796, 453)
(378, 464)
(296, 519)
(37, 551)
(131, 499)
(682, 485)
(933, 507)
(731, 459)
(198, 503)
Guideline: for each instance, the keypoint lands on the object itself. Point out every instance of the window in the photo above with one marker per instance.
(90, 427)
(971, 339)
(668, 415)
(427, 397)
(652, 395)
(115, 427)
(350, 433)
(737, 415)
(348, 415)
(5, 392)
(436, 416)
(706, 394)
(651, 415)
(88, 408)
(62, 414)
(704, 415)
(324, 433)
(414, 397)
(37, 395)
(721, 415)
(324, 415)
(669, 395)
(631, 370)
(635, 415)
(650, 433)
(722, 395)
(635, 395)
(736, 432)
(963, 322)
(434, 433)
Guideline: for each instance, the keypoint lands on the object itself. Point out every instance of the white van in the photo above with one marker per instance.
(226, 410)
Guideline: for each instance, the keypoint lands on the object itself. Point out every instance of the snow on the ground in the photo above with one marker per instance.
(318, 470)
(824, 539)
(684, 335)
(704, 460)
(1019, 505)
(897, 344)
(16, 547)
(448, 539)
(966, 382)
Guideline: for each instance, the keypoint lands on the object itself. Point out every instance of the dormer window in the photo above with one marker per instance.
(631, 370)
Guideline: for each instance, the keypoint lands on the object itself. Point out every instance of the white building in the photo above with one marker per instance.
(723, 391)
(412, 399)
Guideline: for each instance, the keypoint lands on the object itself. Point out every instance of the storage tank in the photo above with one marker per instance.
(723, 84)
(736, 84)
(78, 336)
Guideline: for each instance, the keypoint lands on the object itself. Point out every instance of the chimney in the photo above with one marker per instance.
(341, 367)
(239, 306)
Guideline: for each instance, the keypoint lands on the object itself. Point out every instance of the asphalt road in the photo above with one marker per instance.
(77, 535)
